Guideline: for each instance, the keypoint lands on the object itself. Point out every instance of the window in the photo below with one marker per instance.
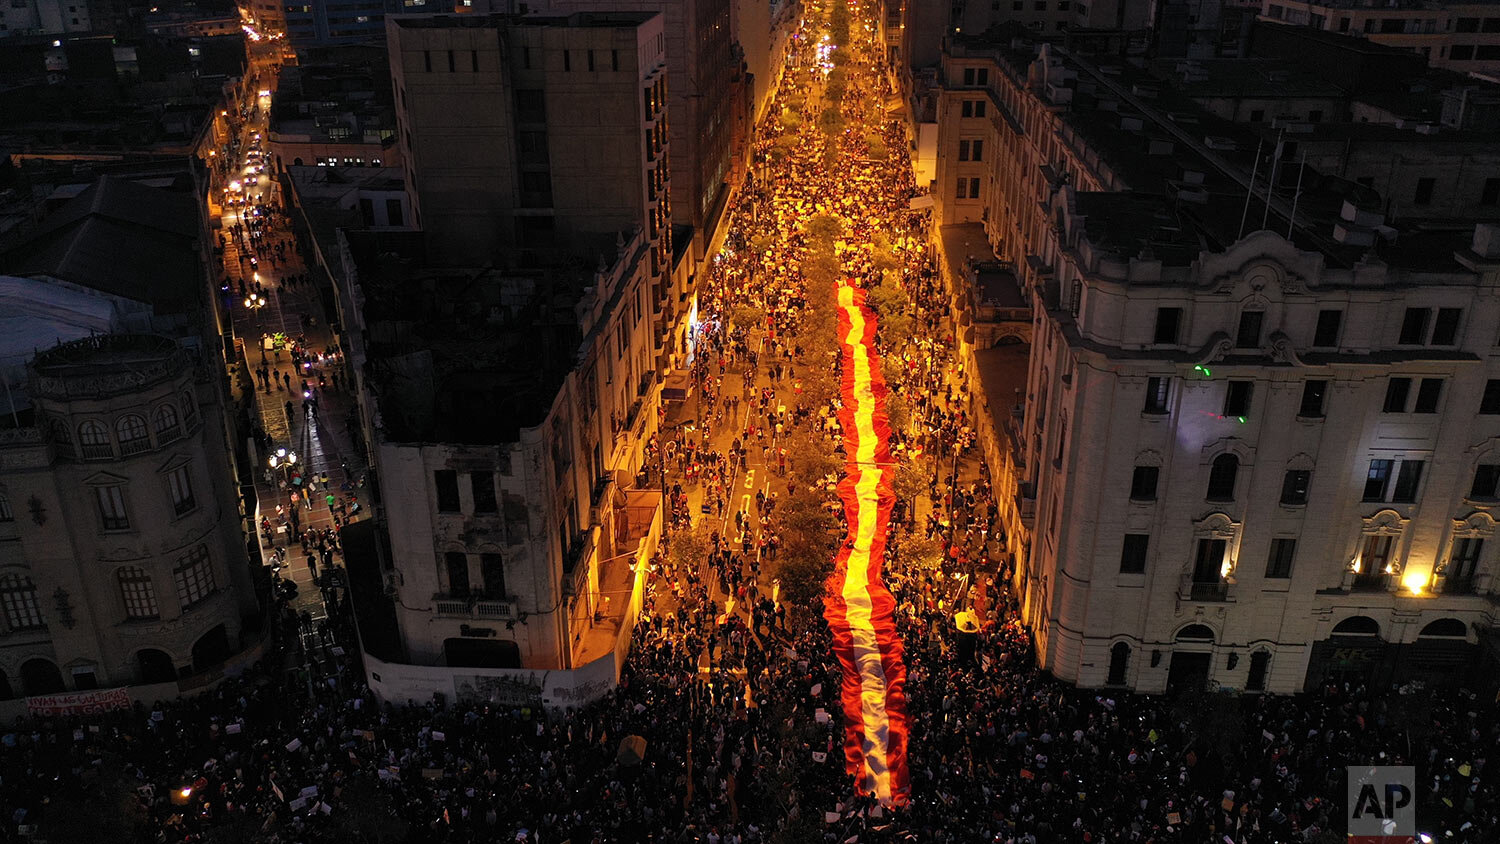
(1315, 115)
(447, 490)
(1314, 393)
(1428, 393)
(474, 61)
(1462, 564)
(1423, 196)
(1445, 327)
(94, 440)
(180, 482)
(614, 59)
(1461, 52)
(131, 430)
(1407, 481)
(1490, 193)
(1326, 336)
(1119, 662)
(1260, 661)
(1158, 391)
(1414, 326)
(1257, 115)
(427, 60)
(963, 150)
(1143, 483)
(1237, 398)
(1396, 392)
(6, 514)
(1374, 558)
(138, 593)
(18, 597)
(393, 213)
(1294, 486)
(457, 565)
(1168, 322)
(194, 576)
(531, 105)
(1376, 480)
(1279, 563)
(1466, 25)
(1133, 555)
(974, 188)
(483, 485)
(973, 108)
(567, 60)
(591, 60)
(1489, 403)
(167, 427)
(1221, 477)
(977, 148)
(1248, 336)
(112, 507)
(1208, 566)
(1486, 482)
(492, 569)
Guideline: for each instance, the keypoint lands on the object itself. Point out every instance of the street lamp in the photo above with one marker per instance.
(284, 459)
(255, 300)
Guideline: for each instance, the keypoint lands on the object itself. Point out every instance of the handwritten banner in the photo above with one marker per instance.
(79, 703)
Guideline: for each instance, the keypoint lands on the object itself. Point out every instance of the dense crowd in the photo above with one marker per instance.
(733, 692)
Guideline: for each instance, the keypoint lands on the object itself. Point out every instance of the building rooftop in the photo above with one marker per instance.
(576, 20)
(1255, 77)
(464, 354)
(120, 238)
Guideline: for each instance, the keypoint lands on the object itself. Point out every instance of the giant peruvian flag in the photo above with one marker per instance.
(859, 609)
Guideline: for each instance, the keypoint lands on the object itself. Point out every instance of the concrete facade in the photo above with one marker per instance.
(122, 556)
(1460, 36)
(554, 129)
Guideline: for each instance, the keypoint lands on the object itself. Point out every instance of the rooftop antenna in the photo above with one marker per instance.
(1249, 192)
(1296, 196)
(1271, 182)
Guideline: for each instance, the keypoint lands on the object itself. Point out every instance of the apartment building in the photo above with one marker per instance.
(529, 133)
(1460, 36)
(1283, 405)
(507, 414)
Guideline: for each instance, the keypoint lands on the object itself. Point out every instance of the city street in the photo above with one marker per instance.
(294, 375)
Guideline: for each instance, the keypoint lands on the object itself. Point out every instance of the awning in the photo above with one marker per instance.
(919, 202)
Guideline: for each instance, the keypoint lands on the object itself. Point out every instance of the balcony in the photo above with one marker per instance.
(1458, 584)
(1026, 503)
(474, 606)
(1204, 591)
(1377, 581)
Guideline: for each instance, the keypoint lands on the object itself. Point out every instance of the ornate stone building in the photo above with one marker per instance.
(122, 558)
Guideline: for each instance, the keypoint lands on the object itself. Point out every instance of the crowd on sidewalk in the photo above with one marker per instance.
(734, 693)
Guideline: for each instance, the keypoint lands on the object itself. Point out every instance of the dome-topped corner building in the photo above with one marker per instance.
(121, 549)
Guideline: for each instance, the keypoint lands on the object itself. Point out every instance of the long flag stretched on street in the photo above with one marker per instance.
(859, 608)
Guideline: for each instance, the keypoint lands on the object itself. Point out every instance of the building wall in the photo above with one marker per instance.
(596, 144)
(1464, 37)
(44, 17)
(58, 539)
(1087, 421)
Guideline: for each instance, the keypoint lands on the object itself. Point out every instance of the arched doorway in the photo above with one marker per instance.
(6, 692)
(1192, 656)
(1357, 625)
(155, 666)
(41, 677)
(211, 648)
(1445, 628)
(1119, 662)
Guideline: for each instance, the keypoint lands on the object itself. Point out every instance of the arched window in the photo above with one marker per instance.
(131, 430)
(6, 514)
(1119, 661)
(93, 437)
(62, 438)
(19, 601)
(1195, 633)
(189, 410)
(167, 426)
(1221, 477)
(138, 593)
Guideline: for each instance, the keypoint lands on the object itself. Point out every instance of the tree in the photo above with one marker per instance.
(748, 316)
(689, 549)
(103, 812)
(804, 560)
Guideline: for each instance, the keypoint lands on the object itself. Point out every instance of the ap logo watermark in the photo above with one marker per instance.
(1382, 804)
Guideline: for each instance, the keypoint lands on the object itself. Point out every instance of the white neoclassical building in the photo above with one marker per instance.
(1259, 465)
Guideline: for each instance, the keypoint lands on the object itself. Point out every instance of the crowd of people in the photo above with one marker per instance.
(730, 696)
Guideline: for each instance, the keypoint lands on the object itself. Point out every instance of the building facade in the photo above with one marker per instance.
(519, 526)
(526, 134)
(122, 557)
(1460, 36)
(1285, 423)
